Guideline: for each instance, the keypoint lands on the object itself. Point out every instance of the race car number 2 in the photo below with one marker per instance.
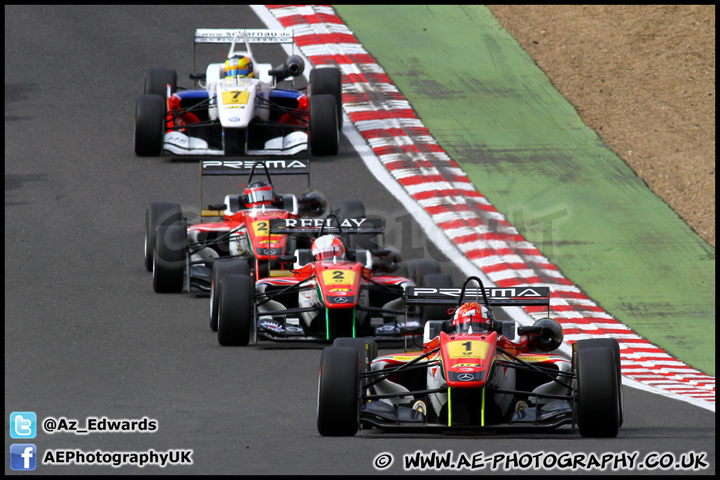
(338, 277)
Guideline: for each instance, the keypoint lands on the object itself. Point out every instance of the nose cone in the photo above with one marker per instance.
(236, 103)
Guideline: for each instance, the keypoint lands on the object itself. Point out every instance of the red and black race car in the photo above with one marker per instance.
(474, 373)
(183, 256)
(329, 291)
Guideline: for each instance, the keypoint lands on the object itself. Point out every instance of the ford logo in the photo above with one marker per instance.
(234, 119)
(465, 377)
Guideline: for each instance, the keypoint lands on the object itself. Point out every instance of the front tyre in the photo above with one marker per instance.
(598, 392)
(169, 259)
(338, 412)
(221, 268)
(158, 213)
(235, 310)
(366, 347)
(612, 344)
(157, 80)
(149, 131)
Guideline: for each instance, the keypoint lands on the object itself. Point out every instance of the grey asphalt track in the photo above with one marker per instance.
(85, 335)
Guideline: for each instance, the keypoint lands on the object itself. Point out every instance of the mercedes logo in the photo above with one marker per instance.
(466, 376)
(340, 300)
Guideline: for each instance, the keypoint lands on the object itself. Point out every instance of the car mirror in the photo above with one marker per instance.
(531, 330)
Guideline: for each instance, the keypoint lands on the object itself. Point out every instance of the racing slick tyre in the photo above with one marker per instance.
(328, 81)
(348, 209)
(598, 392)
(235, 310)
(157, 80)
(324, 131)
(149, 131)
(436, 280)
(366, 347)
(169, 258)
(613, 345)
(221, 268)
(158, 213)
(416, 269)
(338, 409)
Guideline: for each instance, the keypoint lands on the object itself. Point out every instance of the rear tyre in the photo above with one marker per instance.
(598, 392)
(221, 268)
(338, 412)
(235, 310)
(435, 280)
(158, 213)
(348, 209)
(324, 132)
(417, 269)
(354, 209)
(169, 259)
(149, 131)
(328, 81)
(612, 344)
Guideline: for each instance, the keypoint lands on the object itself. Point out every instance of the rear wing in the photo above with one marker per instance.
(272, 166)
(329, 225)
(520, 296)
(252, 35)
(245, 167)
(246, 35)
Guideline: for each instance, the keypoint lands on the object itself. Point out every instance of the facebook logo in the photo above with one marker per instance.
(23, 456)
(23, 425)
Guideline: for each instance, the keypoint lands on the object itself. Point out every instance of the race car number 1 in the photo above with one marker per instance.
(468, 349)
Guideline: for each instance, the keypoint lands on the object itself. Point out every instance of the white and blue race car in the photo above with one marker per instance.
(240, 112)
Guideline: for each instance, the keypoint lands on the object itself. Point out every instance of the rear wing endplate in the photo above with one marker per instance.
(330, 225)
(520, 296)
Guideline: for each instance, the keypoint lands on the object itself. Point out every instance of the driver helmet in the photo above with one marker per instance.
(469, 316)
(328, 247)
(259, 193)
(239, 67)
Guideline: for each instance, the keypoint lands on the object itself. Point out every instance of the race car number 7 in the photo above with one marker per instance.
(238, 97)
